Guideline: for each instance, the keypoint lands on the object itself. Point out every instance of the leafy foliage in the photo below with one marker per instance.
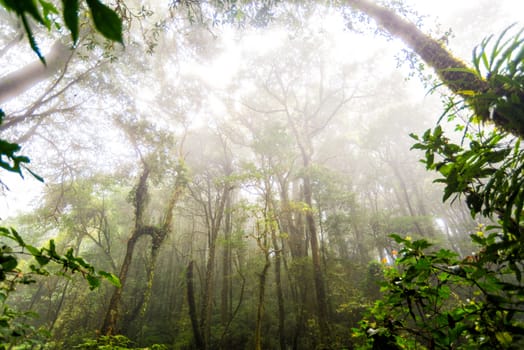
(9, 160)
(107, 342)
(434, 299)
(12, 274)
(106, 20)
(12, 327)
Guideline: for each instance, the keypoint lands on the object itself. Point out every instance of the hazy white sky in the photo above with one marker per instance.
(450, 13)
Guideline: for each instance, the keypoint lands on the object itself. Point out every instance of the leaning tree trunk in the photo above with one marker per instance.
(158, 237)
(110, 320)
(454, 73)
(21, 80)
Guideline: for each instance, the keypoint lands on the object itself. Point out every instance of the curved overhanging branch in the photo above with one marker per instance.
(460, 78)
(21, 80)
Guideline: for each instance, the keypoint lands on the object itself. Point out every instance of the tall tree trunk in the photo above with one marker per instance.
(207, 301)
(317, 264)
(214, 221)
(304, 143)
(199, 341)
(406, 197)
(225, 305)
(278, 289)
(296, 239)
(261, 299)
(274, 225)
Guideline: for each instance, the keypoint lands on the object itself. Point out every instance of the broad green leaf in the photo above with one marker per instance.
(9, 263)
(31, 38)
(71, 17)
(17, 237)
(32, 250)
(397, 238)
(106, 20)
(42, 260)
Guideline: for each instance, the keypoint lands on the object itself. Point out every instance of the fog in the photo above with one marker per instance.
(241, 177)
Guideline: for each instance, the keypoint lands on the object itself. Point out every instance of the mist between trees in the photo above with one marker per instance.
(258, 175)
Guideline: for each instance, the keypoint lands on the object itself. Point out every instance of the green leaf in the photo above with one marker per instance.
(17, 237)
(71, 17)
(36, 176)
(106, 20)
(94, 282)
(42, 260)
(32, 250)
(113, 279)
(31, 38)
(48, 8)
(504, 338)
(446, 254)
(8, 263)
(22, 7)
(397, 238)
(52, 250)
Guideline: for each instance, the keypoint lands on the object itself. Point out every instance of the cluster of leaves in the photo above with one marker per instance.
(9, 159)
(434, 299)
(106, 20)
(111, 342)
(501, 65)
(13, 329)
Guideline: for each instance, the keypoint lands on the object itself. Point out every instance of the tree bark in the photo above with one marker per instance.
(21, 80)
(317, 265)
(261, 299)
(278, 288)
(199, 341)
(226, 301)
(429, 49)
(158, 237)
(109, 325)
(213, 213)
(140, 202)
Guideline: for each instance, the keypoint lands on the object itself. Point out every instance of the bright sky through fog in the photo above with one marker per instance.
(448, 12)
(445, 12)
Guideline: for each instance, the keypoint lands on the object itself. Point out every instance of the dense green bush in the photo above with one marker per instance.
(433, 299)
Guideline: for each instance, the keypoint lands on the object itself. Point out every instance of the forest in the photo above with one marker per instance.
(268, 174)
